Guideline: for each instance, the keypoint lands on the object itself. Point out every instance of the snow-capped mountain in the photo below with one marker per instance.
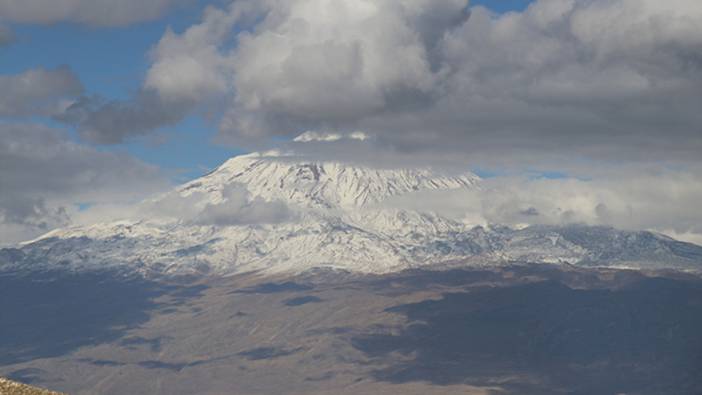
(274, 176)
(275, 212)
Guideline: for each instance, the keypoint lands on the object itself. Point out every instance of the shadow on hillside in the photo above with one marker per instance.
(545, 337)
(48, 315)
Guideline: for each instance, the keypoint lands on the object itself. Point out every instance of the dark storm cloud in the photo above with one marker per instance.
(103, 121)
(38, 92)
(6, 35)
(564, 79)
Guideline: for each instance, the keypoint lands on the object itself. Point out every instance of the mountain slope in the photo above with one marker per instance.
(8, 387)
(273, 212)
(273, 176)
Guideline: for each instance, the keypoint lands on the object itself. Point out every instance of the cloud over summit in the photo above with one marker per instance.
(605, 80)
(599, 79)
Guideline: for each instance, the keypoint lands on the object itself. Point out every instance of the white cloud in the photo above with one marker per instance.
(239, 208)
(333, 61)
(190, 66)
(306, 61)
(666, 202)
(185, 75)
(44, 176)
(310, 136)
(235, 206)
(599, 79)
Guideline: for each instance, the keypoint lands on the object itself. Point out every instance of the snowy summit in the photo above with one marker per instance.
(275, 212)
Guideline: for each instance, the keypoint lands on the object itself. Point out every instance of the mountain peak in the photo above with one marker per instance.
(322, 184)
(275, 212)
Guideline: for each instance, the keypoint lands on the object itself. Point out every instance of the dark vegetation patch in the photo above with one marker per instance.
(176, 367)
(410, 280)
(272, 288)
(27, 375)
(49, 314)
(100, 362)
(154, 344)
(337, 330)
(185, 292)
(267, 353)
(302, 300)
(322, 377)
(642, 336)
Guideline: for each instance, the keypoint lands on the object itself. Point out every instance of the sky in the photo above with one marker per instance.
(584, 110)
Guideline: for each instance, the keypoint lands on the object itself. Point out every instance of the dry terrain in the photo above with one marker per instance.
(8, 387)
(518, 330)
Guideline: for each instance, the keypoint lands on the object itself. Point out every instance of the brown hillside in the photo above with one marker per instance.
(8, 387)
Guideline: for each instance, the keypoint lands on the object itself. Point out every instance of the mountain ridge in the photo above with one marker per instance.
(277, 213)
